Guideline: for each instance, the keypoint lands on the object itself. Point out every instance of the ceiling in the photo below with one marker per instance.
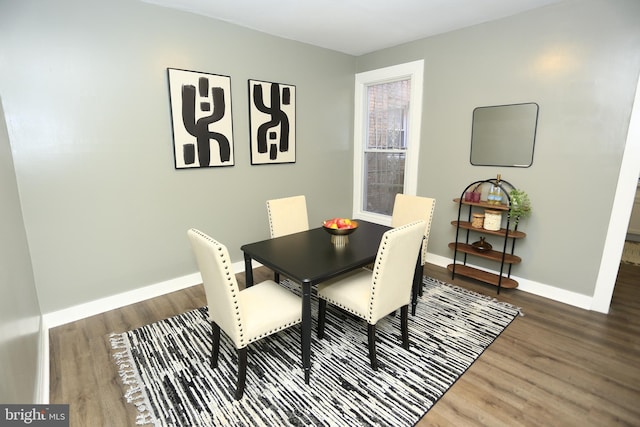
(355, 27)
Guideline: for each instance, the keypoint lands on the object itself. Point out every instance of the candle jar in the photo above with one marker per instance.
(492, 220)
(477, 220)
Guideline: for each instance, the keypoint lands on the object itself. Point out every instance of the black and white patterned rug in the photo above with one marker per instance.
(165, 366)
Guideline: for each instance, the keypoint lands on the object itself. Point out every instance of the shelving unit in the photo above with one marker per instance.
(464, 231)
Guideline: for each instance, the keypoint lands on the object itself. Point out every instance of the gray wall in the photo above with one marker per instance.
(19, 310)
(85, 91)
(84, 88)
(579, 60)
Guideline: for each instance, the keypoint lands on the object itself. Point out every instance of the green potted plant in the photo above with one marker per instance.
(520, 205)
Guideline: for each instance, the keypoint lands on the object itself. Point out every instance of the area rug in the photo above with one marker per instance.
(631, 252)
(165, 366)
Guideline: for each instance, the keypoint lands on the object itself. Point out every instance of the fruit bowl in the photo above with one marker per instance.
(340, 226)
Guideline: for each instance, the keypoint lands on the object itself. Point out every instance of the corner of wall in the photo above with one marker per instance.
(41, 395)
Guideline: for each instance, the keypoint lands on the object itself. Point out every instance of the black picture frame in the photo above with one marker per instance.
(201, 119)
(272, 117)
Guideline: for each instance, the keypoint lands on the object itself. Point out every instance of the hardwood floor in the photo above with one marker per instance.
(555, 366)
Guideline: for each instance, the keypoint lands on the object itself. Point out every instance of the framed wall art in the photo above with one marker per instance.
(201, 119)
(272, 116)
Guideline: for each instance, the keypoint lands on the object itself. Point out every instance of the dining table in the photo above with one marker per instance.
(309, 258)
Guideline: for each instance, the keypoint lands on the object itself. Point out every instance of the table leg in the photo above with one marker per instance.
(306, 330)
(248, 271)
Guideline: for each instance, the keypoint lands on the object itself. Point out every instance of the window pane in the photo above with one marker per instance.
(387, 106)
(386, 143)
(384, 176)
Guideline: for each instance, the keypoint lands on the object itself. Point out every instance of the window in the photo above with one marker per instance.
(388, 108)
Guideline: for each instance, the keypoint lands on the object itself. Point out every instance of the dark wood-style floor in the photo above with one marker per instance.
(555, 366)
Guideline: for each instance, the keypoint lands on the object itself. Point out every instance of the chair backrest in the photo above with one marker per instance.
(220, 285)
(408, 209)
(394, 269)
(287, 215)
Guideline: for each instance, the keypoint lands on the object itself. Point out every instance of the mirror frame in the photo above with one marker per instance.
(506, 133)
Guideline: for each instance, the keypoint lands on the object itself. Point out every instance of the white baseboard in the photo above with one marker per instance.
(532, 287)
(634, 237)
(81, 311)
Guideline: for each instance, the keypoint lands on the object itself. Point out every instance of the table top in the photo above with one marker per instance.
(310, 257)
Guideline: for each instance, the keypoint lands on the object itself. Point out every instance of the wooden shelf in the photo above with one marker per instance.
(492, 255)
(508, 237)
(500, 207)
(483, 276)
(502, 232)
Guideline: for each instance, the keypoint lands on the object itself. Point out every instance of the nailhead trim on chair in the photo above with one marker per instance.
(230, 283)
(235, 298)
(270, 220)
(425, 242)
(271, 332)
(376, 275)
(337, 304)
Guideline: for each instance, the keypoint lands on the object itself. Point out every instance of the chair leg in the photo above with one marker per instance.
(416, 287)
(215, 344)
(371, 333)
(404, 326)
(242, 372)
(322, 312)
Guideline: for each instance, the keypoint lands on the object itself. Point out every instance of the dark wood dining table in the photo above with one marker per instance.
(310, 258)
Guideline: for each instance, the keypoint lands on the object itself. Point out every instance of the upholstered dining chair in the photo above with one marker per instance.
(244, 316)
(407, 209)
(287, 215)
(373, 294)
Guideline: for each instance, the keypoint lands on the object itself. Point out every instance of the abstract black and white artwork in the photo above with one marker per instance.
(272, 115)
(201, 119)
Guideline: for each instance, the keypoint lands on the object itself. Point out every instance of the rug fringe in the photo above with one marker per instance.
(129, 376)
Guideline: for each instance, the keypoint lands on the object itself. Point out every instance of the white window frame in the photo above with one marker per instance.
(415, 72)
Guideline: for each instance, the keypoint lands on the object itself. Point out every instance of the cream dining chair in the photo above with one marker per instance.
(244, 316)
(372, 295)
(287, 215)
(407, 209)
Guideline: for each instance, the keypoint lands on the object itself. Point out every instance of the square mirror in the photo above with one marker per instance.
(504, 135)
